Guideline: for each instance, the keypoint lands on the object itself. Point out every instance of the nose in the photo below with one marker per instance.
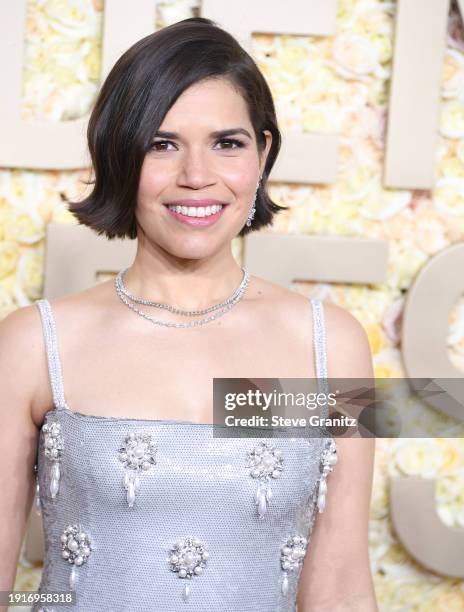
(195, 170)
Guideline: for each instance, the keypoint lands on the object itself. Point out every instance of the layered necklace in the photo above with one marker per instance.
(218, 309)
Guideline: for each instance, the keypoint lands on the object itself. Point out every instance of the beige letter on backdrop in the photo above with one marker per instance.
(55, 144)
(424, 535)
(433, 293)
(414, 105)
(305, 158)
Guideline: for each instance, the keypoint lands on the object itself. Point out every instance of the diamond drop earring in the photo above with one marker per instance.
(251, 214)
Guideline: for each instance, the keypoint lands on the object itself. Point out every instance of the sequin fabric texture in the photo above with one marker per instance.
(159, 515)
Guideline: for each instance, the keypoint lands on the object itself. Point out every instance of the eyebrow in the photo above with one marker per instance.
(216, 134)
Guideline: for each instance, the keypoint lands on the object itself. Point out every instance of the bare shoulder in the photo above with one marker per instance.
(286, 306)
(348, 350)
(21, 347)
(289, 305)
(22, 329)
(341, 319)
(23, 355)
(93, 296)
(20, 333)
(82, 311)
(272, 293)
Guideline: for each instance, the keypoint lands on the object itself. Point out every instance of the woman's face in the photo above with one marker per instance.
(204, 154)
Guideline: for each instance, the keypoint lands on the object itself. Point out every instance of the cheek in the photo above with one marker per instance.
(241, 178)
(151, 182)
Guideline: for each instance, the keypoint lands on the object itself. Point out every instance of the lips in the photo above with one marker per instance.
(194, 221)
(190, 202)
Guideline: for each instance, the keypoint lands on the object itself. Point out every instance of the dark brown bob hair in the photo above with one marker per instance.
(142, 86)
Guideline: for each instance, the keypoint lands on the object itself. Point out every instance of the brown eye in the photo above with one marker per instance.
(237, 143)
(157, 143)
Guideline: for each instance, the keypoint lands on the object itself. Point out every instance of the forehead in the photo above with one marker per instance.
(212, 103)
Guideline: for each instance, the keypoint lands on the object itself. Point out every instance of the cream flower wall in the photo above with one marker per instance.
(335, 84)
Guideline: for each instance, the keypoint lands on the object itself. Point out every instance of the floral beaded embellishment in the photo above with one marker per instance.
(137, 454)
(75, 548)
(53, 449)
(265, 462)
(292, 554)
(188, 557)
(329, 459)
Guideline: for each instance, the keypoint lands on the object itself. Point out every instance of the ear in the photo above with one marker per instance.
(265, 152)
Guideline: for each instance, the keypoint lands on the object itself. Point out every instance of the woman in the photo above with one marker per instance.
(135, 491)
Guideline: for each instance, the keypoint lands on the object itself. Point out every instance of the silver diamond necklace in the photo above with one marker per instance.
(124, 291)
(221, 308)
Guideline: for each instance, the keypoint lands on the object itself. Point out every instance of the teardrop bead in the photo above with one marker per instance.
(72, 579)
(285, 585)
(269, 494)
(130, 494)
(186, 592)
(321, 503)
(322, 486)
(37, 506)
(262, 505)
(126, 480)
(55, 471)
(137, 482)
(54, 487)
(258, 494)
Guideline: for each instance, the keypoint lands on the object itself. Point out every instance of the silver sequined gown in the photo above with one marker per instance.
(116, 495)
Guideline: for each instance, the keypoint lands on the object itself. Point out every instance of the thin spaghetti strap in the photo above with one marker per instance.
(53, 358)
(320, 349)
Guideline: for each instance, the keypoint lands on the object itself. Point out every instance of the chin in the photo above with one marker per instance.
(194, 252)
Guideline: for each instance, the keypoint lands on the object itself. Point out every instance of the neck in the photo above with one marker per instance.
(188, 284)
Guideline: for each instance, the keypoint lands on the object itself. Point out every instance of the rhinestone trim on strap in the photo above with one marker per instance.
(51, 344)
(53, 437)
(329, 455)
(320, 349)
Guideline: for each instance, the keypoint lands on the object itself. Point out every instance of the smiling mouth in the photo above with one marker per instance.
(198, 212)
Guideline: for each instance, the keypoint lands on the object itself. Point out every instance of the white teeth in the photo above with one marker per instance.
(196, 211)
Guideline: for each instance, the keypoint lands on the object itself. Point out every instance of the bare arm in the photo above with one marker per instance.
(19, 349)
(336, 575)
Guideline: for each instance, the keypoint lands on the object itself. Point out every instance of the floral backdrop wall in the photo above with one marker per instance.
(338, 83)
